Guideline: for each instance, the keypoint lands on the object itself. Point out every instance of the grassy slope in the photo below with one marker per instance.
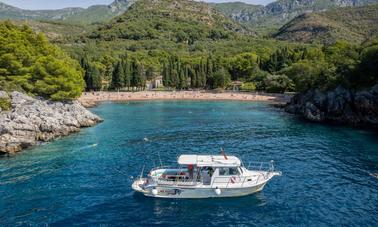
(350, 24)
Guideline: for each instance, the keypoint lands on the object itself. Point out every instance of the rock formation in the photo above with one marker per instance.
(32, 120)
(339, 106)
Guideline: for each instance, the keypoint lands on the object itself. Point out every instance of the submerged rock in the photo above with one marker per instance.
(339, 106)
(32, 120)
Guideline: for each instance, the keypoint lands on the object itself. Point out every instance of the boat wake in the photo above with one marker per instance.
(89, 146)
(374, 175)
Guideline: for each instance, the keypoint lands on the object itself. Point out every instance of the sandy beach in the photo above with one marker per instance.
(92, 98)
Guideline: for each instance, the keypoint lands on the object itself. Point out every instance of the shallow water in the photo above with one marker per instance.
(85, 178)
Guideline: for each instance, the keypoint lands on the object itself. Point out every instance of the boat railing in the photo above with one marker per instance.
(178, 182)
(238, 181)
(261, 166)
(166, 167)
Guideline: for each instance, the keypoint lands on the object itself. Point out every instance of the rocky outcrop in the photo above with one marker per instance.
(339, 106)
(36, 120)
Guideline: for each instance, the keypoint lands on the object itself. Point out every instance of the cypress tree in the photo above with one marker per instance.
(126, 73)
(116, 83)
(192, 75)
(137, 77)
(87, 75)
(165, 75)
(95, 78)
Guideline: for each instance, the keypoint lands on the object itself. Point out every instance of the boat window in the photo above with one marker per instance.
(228, 171)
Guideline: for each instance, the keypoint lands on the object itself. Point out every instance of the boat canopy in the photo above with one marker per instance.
(209, 160)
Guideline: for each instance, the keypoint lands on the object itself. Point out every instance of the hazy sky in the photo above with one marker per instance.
(58, 4)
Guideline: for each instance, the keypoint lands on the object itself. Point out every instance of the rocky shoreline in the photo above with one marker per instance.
(31, 121)
(358, 108)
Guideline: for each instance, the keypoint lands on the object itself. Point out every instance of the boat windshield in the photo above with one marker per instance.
(228, 171)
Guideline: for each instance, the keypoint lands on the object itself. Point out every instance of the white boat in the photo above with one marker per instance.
(206, 176)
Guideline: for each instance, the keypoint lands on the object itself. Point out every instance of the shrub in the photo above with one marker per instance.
(5, 104)
(248, 86)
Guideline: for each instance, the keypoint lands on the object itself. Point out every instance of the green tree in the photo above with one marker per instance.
(243, 66)
(138, 79)
(366, 74)
(29, 63)
(54, 79)
(221, 78)
(94, 80)
(278, 83)
(117, 76)
(127, 73)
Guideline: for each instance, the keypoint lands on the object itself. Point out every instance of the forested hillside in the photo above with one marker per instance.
(192, 45)
(350, 24)
(174, 20)
(189, 43)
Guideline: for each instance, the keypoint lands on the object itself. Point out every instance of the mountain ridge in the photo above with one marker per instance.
(91, 14)
(277, 13)
(352, 24)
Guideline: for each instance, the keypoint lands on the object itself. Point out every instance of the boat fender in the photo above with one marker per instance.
(154, 191)
(218, 191)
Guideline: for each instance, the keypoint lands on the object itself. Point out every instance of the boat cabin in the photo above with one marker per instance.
(195, 169)
(205, 176)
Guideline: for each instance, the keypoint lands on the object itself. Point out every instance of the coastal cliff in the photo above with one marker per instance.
(30, 121)
(338, 106)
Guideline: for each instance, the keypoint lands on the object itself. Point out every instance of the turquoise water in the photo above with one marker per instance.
(85, 178)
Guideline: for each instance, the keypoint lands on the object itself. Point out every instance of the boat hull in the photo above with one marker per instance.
(197, 193)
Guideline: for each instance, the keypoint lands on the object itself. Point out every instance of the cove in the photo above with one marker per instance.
(85, 178)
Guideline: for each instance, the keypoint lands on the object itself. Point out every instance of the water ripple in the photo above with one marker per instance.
(328, 171)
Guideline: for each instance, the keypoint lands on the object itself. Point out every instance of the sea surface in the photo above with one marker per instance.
(85, 178)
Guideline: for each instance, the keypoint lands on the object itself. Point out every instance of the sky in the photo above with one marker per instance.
(58, 4)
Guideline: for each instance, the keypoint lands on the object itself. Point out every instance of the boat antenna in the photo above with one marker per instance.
(141, 173)
(223, 153)
(161, 164)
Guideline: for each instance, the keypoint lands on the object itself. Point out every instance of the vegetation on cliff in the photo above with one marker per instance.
(29, 63)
